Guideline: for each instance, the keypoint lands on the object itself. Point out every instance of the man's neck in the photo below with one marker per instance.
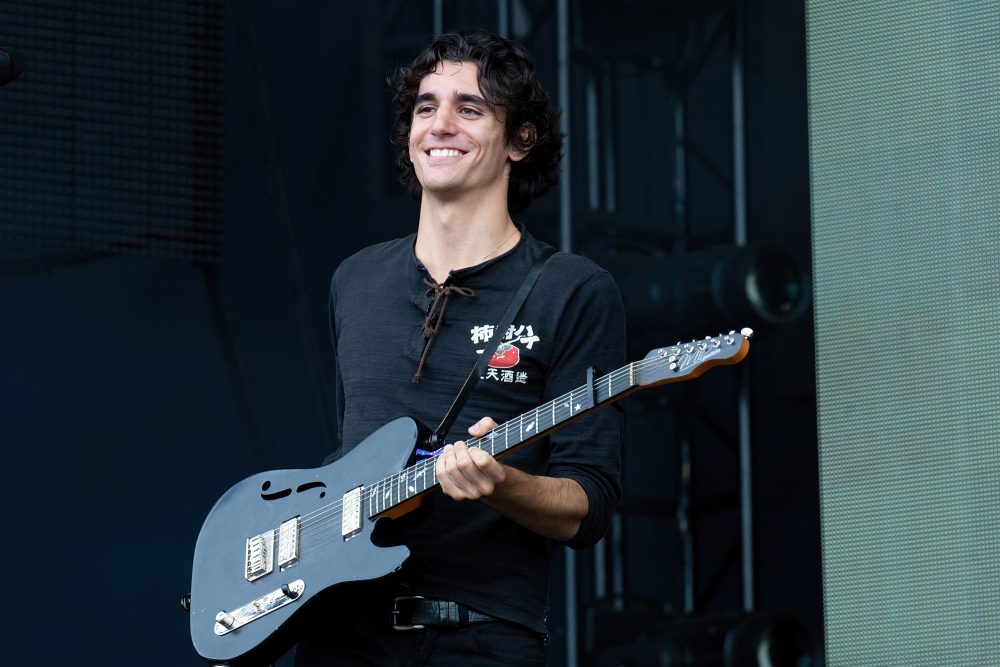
(459, 234)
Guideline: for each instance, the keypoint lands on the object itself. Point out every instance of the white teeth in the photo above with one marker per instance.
(444, 152)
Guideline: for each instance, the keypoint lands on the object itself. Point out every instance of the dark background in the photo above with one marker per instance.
(147, 367)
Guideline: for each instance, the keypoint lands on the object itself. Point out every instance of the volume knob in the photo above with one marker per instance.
(225, 619)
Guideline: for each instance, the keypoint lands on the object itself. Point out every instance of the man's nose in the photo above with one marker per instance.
(444, 122)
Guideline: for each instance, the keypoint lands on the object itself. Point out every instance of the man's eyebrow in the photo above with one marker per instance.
(472, 99)
(467, 98)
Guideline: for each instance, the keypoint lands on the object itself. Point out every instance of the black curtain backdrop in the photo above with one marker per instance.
(136, 389)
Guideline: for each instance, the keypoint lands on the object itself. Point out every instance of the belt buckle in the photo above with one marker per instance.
(395, 613)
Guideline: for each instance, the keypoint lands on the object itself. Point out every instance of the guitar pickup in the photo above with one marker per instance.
(350, 518)
(260, 555)
(288, 543)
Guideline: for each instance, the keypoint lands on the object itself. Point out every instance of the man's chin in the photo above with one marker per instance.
(445, 191)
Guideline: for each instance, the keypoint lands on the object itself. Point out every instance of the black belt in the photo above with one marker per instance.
(415, 612)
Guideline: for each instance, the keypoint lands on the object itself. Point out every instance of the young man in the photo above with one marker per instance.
(476, 139)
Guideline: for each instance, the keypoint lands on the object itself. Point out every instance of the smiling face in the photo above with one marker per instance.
(457, 142)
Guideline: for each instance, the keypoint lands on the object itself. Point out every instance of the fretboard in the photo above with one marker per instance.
(532, 425)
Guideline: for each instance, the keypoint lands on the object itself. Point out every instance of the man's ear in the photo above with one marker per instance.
(528, 136)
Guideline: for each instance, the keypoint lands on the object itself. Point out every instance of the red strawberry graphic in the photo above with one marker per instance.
(506, 356)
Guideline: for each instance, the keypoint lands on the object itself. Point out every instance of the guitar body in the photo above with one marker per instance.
(262, 503)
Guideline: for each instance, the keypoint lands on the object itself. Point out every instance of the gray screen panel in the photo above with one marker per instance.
(904, 139)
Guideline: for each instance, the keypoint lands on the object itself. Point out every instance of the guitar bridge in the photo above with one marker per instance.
(260, 555)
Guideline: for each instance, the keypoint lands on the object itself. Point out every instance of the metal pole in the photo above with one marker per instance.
(680, 171)
(503, 18)
(565, 203)
(438, 17)
(685, 529)
(566, 245)
(593, 145)
(600, 569)
(610, 176)
(740, 237)
(618, 562)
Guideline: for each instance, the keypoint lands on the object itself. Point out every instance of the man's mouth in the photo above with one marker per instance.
(445, 152)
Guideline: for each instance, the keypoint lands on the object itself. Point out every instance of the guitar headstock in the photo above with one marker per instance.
(686, 361)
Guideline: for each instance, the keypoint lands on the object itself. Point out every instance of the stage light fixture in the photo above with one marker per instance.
(693, 292)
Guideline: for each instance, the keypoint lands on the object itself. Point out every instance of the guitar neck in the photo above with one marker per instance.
(421, 477)
(670, 364)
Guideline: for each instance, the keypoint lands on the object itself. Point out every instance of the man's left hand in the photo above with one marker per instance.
(469, 473)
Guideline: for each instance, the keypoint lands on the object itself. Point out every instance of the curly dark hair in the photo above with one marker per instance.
(507, 79)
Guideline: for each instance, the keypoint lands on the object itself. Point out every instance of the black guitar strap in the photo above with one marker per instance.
(436, 439)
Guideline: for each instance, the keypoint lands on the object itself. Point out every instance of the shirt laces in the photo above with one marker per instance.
(435, 316)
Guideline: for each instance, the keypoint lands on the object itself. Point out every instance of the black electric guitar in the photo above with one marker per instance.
(278, 539)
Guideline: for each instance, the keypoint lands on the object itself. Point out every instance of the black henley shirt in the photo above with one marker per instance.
(573, 319)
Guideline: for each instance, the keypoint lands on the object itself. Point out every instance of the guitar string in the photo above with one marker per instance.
(563, 410)
(321, 517)
(405, 480)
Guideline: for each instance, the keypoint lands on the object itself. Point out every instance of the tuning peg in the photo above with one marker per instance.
(746, 332)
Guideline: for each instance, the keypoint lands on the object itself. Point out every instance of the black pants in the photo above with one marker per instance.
(490, 644)
(359, 632)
